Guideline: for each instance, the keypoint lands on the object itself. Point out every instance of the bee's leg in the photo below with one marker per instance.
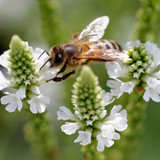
(62, 69)
(86, 62)
(58, 79)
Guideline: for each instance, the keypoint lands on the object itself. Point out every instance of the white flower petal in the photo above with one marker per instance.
(41, 108)
(44, 99)
(11, 107)
(152, 82)
(113, 69)
(154, 50)
(102, 142)
(107, 97)
(109, 143)
(100, 145)
(133, 44)
(33, 108)
(6, 99)
(84, 137)
(102, 114)
(38, 103)
(4, 59)
(116, 136)
(115, 87)
(128, 86)
(40, 60)
(115, 109)
(35, 89)
(19, 103)
(107, 131)
(154, 94)
(13, 102)
(21, 93)
(146, 95)
(117, 118)
(65, 114)
(50, 73)
(3, 81)
(70, 128)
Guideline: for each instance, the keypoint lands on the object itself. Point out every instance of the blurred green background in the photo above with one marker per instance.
(23, 18)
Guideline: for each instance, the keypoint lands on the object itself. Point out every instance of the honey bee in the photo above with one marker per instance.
(84, 48)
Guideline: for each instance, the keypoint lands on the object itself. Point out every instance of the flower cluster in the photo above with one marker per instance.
(90, 116)
(140, 70)
(25, 78)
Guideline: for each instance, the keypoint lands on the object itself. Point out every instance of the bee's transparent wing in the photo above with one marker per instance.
(103, 55)
(95, 30)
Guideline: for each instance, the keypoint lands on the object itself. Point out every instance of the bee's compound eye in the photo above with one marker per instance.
(58, 58)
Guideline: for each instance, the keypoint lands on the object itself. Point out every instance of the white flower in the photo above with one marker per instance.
(65, 114)
(107, 97)
(153, 93)
(106, 133)
(128, 86)
(115, 87)
(70, 128)
(84, 137)
(102, 142)
(14, 100)
(38, 103)
(24, 76)
(90, 115)
(140, 70)
(115, 121)
(116, 69)
(117, 118)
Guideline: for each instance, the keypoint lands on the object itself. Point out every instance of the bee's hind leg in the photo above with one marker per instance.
(58, 79)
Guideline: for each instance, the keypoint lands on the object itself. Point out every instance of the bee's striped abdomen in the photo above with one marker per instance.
(109, 44)
(101, 45)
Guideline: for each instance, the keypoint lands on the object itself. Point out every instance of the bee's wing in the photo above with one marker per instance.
(103, 55)
(95, 30)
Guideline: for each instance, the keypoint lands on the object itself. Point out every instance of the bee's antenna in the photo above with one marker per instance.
(43, 53)
(45, 63)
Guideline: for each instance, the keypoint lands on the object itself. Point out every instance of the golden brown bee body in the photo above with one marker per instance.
(84, 48)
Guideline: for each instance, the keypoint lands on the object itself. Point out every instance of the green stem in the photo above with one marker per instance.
(90, 152)
(147, 24)
(126, 148)
(50, 21)
(39, 134)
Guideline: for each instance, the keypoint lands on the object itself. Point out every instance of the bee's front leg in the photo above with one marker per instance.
(62, 69)
(58, 79)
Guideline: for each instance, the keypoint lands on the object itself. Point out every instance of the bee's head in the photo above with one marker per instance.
(56, 56)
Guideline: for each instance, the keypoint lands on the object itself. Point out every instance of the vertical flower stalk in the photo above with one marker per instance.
(96, 129)
(50, 21)
(138, 75)
(128, 146)
(39, 133)
(25, 80)
(148, 22)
